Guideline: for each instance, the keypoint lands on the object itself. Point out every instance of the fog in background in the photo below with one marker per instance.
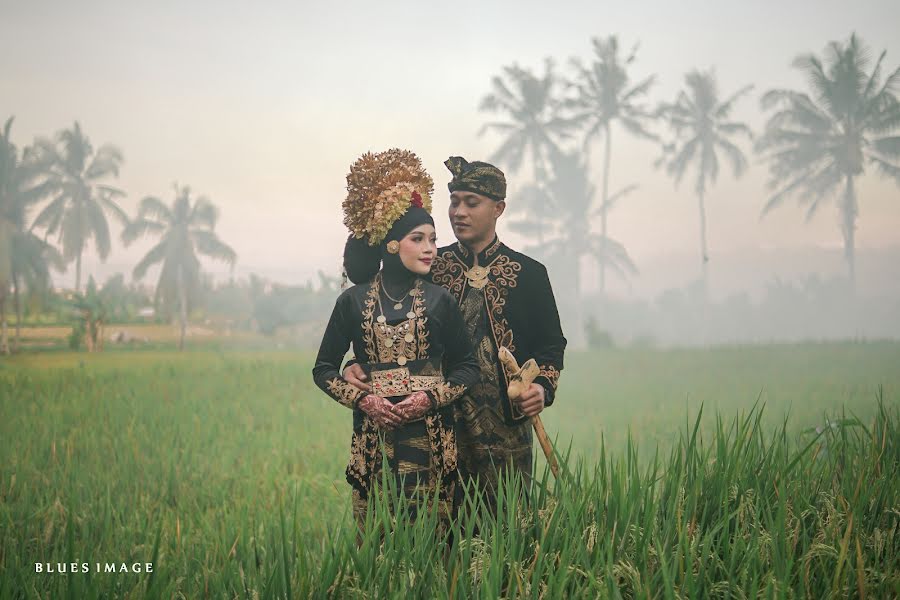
(262, 108)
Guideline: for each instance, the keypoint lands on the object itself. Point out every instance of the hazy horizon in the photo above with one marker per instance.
(263, 108)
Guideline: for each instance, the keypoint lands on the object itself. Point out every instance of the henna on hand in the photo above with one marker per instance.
(380, 411)
(413, 406)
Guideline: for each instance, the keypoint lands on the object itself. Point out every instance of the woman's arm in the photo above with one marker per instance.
(327, 375)
(335, 341)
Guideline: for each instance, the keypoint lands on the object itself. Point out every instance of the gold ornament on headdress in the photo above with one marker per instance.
(380, 189)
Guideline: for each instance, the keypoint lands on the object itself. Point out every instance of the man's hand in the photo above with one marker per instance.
(380, 411)
(531, 402)
(413, 406)
(356, 377)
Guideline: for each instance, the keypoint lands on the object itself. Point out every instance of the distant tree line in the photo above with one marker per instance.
(817, 142)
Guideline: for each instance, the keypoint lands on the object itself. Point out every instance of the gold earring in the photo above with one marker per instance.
(393, 246)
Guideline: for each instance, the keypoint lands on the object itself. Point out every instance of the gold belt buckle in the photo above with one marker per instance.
(390, 382)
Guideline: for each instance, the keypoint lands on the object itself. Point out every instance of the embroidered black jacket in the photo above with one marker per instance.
(520, 303)
(435, 355)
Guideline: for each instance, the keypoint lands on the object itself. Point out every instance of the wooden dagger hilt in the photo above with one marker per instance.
(520, 378)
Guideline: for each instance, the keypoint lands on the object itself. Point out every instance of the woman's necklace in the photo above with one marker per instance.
(397, 338)
(398, 304)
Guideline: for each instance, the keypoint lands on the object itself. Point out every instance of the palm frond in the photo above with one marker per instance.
(203, 214)
(208, 244)
(155, 255)
(99, 228)
(139, 228)
(106, 162)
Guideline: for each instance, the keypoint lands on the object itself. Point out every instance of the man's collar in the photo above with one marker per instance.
(484, 256)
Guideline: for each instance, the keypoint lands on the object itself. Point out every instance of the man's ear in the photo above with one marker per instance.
(499, 208)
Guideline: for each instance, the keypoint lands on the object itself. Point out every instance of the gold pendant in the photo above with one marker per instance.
(401, 360)
(381, 319)
(477, 276)
(398, 306)
(409, 338)
(410, 315)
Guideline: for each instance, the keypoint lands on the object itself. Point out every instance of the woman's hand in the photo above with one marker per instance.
(380, 411)
(413, 406)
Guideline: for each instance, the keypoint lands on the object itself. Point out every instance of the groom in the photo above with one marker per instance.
(506, 300)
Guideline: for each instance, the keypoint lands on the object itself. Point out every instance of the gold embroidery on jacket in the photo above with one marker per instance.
(446, 392)
(367, 318)
(387, 343)
(343, 392)
(504, 273)
(551, 373)
(447, 271)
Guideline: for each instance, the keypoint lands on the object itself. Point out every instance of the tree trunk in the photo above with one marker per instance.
(18, 309)
(579, 337)
(4, 339)
(182, 301)
(78, 273)
(539, 178)
(704, 256)
(848, 215)
(603, 208)
(88, 333)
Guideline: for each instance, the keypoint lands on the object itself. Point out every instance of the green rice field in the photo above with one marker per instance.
(736, 472)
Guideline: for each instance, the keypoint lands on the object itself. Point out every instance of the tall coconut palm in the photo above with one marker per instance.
(819, 143)
(81, 201)
(533, 125)
(186, 229)
(603, 96)
(24, 258)
(702, 128)
(574, 242)
(32, 259)
(532, 214)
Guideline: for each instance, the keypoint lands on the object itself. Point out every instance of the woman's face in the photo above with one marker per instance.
(417, 249)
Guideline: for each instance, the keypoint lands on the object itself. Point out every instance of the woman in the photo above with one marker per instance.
(407, 333)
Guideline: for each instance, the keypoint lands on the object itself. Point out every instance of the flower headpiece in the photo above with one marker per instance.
(381, 187)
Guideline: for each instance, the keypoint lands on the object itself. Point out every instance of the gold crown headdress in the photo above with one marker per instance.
(381, 187)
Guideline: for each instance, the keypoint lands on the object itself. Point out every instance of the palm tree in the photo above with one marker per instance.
(819, 143)
(702, 127)
(24, 258)
(81, 202)
(533, 126)
(32, 259)
(604, 96)
(573, 194)
(186, 228)
(533, 213)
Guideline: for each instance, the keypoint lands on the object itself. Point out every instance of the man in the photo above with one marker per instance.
(506, 300)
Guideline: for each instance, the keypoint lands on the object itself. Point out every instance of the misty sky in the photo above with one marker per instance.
(263, 106)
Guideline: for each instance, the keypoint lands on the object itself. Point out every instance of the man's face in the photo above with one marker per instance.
(474, 217)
